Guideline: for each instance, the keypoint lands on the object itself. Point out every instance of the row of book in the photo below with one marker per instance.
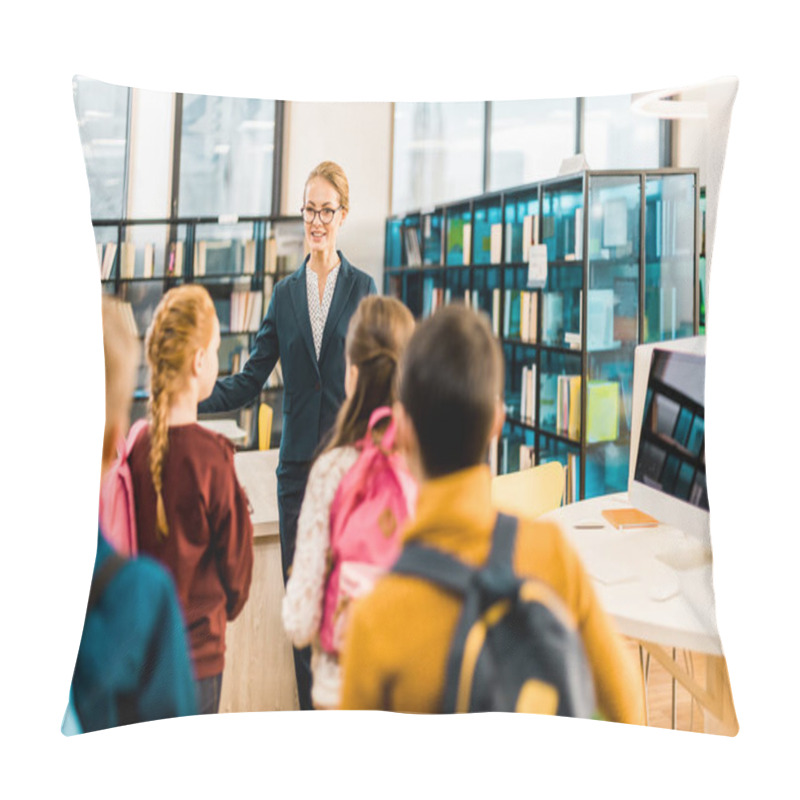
(520, 315)
(602, 409)
(509, 454)
(211, 257)
(513, 247)
(245, 311)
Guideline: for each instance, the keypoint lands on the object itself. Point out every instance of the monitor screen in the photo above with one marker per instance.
(667, 476)
(671, 456)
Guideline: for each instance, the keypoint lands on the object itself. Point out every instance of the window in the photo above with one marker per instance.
(616, 138)
(438, 153)
(529, 140)
(102, 112)
(226, 156)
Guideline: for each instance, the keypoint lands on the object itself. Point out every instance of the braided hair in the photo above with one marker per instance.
(182, 324)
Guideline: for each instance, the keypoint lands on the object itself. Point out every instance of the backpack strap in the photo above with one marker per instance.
(100, 580)
(495, 579)
(435, 566)
(381, 413)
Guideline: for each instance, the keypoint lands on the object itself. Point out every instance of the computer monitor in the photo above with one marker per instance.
(667, 477)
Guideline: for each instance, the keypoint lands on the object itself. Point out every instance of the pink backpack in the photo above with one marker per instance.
(117, 509)
(374, 499)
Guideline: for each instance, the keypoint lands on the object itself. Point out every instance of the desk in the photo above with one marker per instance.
(259, 668)
(623, 566)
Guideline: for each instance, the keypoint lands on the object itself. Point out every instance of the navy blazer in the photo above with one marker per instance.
(313, 391)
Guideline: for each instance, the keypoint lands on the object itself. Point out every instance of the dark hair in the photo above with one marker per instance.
(450, 379)
(378, 333)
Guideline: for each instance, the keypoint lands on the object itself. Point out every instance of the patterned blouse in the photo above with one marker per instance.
(318, 312)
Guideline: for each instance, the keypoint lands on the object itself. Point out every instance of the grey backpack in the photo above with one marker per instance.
(515, 646)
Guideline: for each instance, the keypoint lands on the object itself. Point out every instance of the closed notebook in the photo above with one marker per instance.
(629, 518)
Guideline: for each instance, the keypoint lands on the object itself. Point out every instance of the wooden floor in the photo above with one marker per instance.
(659, 693)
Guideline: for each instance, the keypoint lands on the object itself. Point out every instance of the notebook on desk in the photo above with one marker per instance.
(622, 518)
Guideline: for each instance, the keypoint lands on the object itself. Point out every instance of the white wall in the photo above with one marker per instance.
(357, 136)
(702, 143)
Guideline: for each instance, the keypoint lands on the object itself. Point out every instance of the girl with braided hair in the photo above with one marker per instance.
(191, 512)
(376, 337)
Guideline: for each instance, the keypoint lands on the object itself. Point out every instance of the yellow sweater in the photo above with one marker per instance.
(399, 636)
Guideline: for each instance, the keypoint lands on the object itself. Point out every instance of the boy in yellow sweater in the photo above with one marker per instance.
(399, 637)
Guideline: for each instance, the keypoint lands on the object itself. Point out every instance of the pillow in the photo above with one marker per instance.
(230, 256)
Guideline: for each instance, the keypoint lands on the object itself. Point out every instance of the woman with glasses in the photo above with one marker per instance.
(305, 327)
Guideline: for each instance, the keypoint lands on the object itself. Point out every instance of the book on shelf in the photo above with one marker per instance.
(602, 411)
(127, 260)
(527, 456)
(149, 260)
(568, 405)
(245, 314)
(496, 312)
(129, 319)
(552, 317)
(200, 249)
(175, 260)
(275, 379)
(271, 255)
(527, 403)
(530, 232)
(466, 249)
(529, 317)
(572, 478)
(537, 266)
(578, 251)
(249, 265)
(511, 313)
(413, 256)
(109, 255)
(600, 316)
(496, 243)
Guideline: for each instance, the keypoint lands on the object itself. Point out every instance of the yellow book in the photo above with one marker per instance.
(574, 418)
(602, 413)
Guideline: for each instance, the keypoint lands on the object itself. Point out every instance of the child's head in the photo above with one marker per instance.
(182, 347)
(450, 389)
(377, 335)
(121, 351)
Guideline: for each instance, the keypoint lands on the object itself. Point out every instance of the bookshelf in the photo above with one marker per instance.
(238, 259)
(573, 272)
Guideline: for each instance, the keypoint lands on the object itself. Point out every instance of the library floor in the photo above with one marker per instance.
(689, 716)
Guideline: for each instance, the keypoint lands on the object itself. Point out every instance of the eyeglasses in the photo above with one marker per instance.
(325, 214)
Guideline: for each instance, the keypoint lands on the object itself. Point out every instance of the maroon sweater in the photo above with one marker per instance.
(209, 547)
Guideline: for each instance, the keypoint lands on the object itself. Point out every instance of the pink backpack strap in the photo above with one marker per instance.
(380, 413)
(133, 435)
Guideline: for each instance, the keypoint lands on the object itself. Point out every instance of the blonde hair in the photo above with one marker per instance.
(377, 335)
(334, 174)
(121, 354)
(182, 324)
